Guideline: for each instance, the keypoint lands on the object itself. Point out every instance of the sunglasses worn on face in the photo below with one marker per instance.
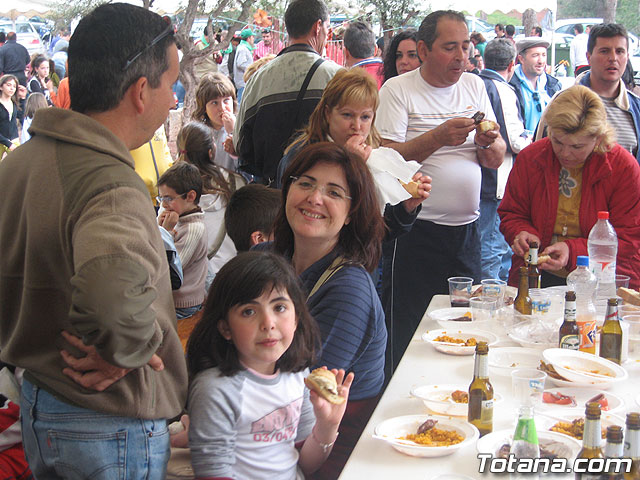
(165, 33)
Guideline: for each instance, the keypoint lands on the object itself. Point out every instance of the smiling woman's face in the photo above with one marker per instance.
(318, 214)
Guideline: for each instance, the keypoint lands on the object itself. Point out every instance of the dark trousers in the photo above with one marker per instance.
(416, 267)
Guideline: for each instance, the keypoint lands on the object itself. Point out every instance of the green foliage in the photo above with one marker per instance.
(628, 15)
(64, 12)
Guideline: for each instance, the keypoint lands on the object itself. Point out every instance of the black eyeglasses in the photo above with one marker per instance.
(165, 33)
(536, 98)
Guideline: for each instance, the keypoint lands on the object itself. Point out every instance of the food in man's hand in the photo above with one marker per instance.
(459, 396)
(323, 382)
(412, 188)
(477, 117)
(543, 258)
(558, 399)
(430, 436)
(486, 125)
(629, 295)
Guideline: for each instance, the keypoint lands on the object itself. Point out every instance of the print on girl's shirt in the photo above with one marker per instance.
(279, 425)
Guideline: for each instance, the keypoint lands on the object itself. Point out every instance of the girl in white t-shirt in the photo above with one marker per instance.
(216, 106)
(247, 360)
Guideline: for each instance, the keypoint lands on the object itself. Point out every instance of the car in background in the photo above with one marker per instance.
(26, 34)
(635, 63)
(564, 27)
(198, 27)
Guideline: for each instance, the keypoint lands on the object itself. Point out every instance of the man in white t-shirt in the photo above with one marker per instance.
(578, 48)
(426, 116)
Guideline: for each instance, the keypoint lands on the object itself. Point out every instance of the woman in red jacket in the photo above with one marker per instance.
(558, 185)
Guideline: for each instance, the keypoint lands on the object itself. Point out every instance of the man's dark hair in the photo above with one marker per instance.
(500, 27)
(510, 30)
(183, 177)
(359, 40)
(252, 208)
(578, 28)
(538, 31)
(11, 36)
(301, 15)
(104, 43)
(606, 30)
(429, 27)
(473, 61)
(498, 54)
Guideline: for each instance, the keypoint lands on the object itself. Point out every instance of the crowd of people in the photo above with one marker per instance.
(299, 160)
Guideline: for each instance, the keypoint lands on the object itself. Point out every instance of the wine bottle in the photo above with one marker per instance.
(480, 411)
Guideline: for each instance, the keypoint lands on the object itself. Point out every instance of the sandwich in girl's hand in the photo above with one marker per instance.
(323, 382)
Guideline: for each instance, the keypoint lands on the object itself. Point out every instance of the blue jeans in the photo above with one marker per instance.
(63, 441)
(186, 312)
(496, 254)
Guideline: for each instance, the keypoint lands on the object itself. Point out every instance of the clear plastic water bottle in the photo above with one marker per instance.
(525, 441)
(584, 283)
(603, 248)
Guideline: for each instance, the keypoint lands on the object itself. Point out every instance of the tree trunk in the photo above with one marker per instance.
(529, 20)
(609, 10)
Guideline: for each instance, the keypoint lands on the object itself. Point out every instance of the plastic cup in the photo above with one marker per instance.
(527, 386)
(634, 332)
(540, 301)
(483, 309)
(494, 288)
(622, 281)
(460, 291)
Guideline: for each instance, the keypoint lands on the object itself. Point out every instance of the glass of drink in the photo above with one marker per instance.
(483, 309)
(540, 301)
(527, 386)
(460, 291)
(494, 288)
(622, 281)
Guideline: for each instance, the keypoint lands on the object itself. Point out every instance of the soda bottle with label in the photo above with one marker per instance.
(584, 283)
(480, 411)
(525, 440)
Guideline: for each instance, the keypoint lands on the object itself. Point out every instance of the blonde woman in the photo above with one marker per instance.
(559, 184)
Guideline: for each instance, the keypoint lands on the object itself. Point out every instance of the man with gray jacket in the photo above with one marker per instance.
(85, 297)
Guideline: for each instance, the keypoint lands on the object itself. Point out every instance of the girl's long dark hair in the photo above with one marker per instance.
(390, 69)
(241, 280)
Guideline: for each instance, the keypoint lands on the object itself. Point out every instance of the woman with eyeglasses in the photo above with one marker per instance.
(559, 183)
(331, 229)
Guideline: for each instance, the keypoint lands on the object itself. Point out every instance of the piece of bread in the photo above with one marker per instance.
(543, 258)
(411, 187)
(323, 382)
(629, 295)
(486, 125)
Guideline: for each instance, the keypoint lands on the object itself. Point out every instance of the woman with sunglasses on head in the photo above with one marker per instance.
(402, 54)
(559, 184)
(331, 229)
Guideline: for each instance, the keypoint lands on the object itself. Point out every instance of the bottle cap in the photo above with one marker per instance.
(614, 434)
(603, 215)
(583, 260)
(633, 420)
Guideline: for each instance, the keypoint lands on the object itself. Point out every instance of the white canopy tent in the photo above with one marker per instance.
(15, 9)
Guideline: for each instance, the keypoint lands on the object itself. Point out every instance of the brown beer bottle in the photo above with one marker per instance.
(591, 439)
(532, 262)
(611, 334)
(522, 303)
(480, 411)
(569, 336)
(613, 449)
(632, 445)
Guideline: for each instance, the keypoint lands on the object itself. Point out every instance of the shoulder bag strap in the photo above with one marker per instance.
(336, 265)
